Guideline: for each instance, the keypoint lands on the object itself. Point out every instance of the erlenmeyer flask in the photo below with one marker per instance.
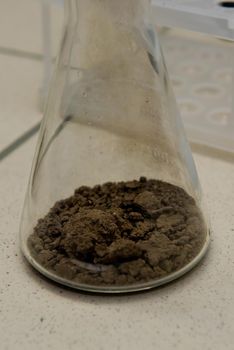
(114, 202)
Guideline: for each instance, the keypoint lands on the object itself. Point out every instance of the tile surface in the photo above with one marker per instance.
(21, 25)
(19, 110)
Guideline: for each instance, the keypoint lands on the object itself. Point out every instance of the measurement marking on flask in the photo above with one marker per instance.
(163, 156)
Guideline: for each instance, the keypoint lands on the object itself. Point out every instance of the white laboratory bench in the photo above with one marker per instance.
(195, 312)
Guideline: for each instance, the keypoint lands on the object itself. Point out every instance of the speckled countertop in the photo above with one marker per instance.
(195, 312)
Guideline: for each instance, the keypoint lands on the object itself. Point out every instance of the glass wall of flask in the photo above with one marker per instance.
(113, 202)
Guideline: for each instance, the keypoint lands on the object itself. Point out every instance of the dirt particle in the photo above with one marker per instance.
(119, 233)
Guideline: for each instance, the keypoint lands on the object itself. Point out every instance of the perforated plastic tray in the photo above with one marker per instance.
(205, 16)
(201, 68)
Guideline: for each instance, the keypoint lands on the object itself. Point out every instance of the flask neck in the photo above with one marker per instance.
(109, 32)
(122, 12)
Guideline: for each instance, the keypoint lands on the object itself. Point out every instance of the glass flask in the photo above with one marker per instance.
(113, 202)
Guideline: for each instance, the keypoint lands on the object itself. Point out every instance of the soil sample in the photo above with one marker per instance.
(119, 233)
